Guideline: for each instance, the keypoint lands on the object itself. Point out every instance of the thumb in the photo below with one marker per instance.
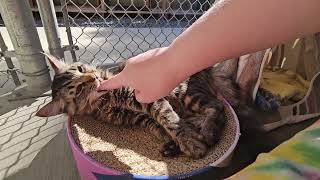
(139, 96)
(112, 83)
(142, 98)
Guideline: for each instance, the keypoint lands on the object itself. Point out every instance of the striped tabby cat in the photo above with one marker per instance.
(189, 120)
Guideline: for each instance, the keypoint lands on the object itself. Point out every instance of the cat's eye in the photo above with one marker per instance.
(81, 69)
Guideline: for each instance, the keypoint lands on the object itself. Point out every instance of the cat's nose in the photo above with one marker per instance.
(94, 76)
(89, 78)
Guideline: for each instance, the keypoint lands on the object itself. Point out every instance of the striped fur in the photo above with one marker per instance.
(189, 120)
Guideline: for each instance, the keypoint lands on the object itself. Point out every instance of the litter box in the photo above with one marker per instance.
(90, 169)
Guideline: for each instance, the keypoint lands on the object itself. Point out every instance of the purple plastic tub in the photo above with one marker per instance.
(89, 169)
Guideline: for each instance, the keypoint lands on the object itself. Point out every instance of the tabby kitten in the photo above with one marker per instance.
(189, 120)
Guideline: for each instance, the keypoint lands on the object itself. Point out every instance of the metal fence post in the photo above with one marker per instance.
(50, 24)
(68, 29)
(18, 19)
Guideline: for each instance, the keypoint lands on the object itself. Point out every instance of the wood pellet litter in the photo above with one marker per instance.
(136, 151)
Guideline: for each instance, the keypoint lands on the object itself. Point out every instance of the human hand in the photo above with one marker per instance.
(150, 74)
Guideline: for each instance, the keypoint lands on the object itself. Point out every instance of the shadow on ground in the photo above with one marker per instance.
(55, 160)
(22, 134)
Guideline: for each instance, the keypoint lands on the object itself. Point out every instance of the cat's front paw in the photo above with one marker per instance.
(209, 137)
(170, 149)
(190, 144)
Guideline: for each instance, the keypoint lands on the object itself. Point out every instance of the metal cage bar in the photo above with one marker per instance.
(50, 24)
(18, 19)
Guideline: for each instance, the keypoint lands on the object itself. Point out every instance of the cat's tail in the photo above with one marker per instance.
(250, 120)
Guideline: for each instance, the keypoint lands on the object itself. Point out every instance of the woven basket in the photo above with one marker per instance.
(301, 56)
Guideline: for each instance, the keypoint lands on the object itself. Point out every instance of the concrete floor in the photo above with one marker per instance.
(23, 136)
(49, 157)
(54, 161)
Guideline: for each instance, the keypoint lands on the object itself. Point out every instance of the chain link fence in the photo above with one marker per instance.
(5, 78)
(9, 73)
(107, 31)
(10, 79)
(7, 83)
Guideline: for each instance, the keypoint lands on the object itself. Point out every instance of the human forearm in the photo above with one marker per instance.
(231, 28)
(236, 27)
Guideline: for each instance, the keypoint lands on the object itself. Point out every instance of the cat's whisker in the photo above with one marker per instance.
(196, 96)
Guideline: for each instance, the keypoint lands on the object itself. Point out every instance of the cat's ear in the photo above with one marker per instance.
(51, 109)
(55, 63)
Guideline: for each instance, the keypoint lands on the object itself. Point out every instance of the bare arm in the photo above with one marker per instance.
(237, 27)
(230, 28)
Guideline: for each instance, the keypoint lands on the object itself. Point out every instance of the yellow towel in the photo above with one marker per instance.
(285, 84)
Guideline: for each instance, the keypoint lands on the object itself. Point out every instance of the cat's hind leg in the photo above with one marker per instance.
(213, 118)
(162, 112)
(169, 147)
(126, 117)
(155, 129)
(187, 138)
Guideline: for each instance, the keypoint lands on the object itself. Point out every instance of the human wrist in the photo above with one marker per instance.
(183, 62)
(172, 65)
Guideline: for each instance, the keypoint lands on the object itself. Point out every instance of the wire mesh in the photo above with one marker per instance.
(106, 31)
(9, 78)
(7, 83)
(114, 30)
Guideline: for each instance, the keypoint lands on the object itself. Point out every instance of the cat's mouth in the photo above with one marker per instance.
(97, 82)
(94, 95)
